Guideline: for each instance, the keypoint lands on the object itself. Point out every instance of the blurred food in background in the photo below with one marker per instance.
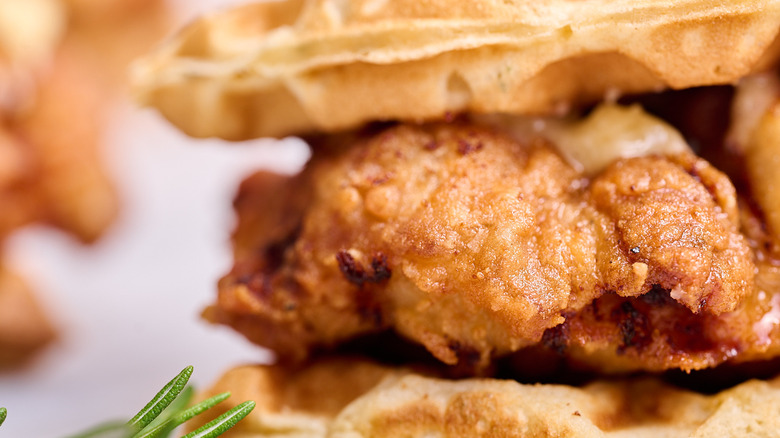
(62, 66)
(23, 325)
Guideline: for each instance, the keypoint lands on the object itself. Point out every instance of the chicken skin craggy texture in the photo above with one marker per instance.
(473, 244)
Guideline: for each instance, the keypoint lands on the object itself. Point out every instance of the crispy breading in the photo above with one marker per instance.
(356, 398)
(476, 244)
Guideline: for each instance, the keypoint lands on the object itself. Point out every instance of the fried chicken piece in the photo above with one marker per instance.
(24, 328)
(654, 333)
(472, 243)
(676, 215)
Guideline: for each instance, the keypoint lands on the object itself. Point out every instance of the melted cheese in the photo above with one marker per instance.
(608, 133)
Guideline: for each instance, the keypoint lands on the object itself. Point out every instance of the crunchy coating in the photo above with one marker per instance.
(347, 400)
(475, 244)
(653, 332)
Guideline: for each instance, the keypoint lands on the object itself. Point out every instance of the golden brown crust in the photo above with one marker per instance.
(475, 244)
(410, 405)
(280, 68)
(671, 213)
(300, 401)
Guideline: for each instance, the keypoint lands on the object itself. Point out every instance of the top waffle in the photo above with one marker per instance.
(280, 68)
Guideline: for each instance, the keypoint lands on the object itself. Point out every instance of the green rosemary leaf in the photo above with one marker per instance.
(163, 398)
(182, 401)
(115, 429)
(201, 407)
(162, 430)
(223, 422)
(3, 414)
(182, 417)
(178, 405)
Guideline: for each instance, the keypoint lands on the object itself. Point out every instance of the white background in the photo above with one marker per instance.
(127, 309)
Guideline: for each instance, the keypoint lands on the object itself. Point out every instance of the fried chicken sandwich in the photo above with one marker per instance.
(496, 182)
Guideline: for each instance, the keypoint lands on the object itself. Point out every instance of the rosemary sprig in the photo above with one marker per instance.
(161, 401)
(224, 422)
(177, 420)
(168, 410)
(179, 404)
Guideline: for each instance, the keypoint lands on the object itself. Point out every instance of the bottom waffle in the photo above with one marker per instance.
(346, 397)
